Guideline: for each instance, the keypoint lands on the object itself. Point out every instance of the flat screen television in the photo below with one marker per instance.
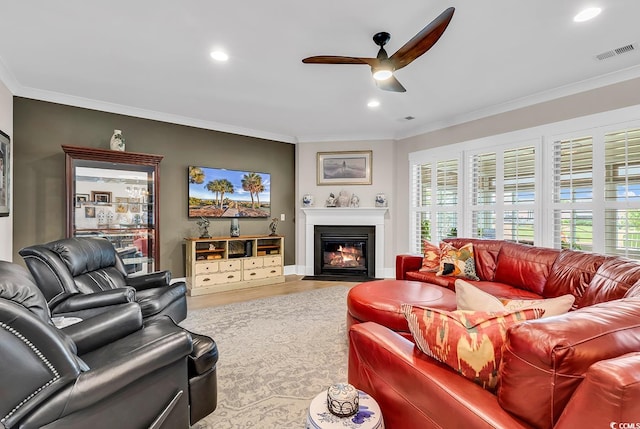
(222, 193)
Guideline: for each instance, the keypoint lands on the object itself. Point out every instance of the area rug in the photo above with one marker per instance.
(276, 355)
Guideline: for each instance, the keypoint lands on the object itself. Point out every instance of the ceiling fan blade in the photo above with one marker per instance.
(423, 41)
(331, 59)
(390, 84)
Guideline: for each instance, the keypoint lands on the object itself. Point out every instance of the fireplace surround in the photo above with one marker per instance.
(345, 216)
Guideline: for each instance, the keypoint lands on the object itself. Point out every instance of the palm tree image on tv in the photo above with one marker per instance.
(218, 192)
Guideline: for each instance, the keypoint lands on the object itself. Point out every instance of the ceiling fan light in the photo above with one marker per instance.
(382, 74)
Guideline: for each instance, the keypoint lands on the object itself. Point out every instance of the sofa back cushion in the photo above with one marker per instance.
(524, 266)
(485, 255)
(571, 273)
(544, 361)
(613, 279)
(634, 291)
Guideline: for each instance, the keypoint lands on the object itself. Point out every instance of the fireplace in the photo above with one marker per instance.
(349, 217)
(344, 251)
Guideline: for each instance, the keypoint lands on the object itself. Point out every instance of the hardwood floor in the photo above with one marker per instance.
(292, 284)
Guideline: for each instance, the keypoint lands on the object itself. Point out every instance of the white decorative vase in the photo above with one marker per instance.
(117, 141)
(307, 200)
(234, 231)
(381, 200)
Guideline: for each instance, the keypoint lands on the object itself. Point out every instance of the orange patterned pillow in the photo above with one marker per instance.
(470, 342)
(431, 259)
(457, 262)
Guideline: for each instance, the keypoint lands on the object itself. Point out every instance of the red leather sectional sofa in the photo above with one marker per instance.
(579, 369)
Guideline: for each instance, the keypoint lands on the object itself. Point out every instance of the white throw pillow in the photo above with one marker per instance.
(469, 297)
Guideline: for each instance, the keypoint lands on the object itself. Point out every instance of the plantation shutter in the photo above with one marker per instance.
(421, 186)
(519, 194)
(622, 193)
(573, 194)
(447, 198)
(435, 187)
(483, 195)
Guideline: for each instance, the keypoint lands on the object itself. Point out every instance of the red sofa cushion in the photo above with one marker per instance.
(427, 277)
(571, 273)
(525, 267)
(548, 358)
(613, 279)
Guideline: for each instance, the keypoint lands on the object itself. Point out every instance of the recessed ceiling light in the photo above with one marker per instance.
(373, 103)
(219, 56)
(587, 14)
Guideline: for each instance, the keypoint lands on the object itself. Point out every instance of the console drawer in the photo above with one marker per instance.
(206, 267)
(230, 265)
(272, 261)
(218, 278)
(262, 273)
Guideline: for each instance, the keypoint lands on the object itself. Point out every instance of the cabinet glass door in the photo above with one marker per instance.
(115, 199)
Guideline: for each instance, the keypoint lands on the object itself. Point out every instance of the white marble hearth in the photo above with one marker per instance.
(345, 216)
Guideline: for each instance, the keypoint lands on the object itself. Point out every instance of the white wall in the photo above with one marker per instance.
(6, 125)
(382, 181)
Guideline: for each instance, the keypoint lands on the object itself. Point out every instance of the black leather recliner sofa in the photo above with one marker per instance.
(108, 371)
(79, 276)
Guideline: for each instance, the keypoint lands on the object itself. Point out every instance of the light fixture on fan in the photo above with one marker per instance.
(382, 72)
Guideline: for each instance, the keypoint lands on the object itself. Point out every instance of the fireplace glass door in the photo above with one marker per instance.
(340, 255)
(344, 251)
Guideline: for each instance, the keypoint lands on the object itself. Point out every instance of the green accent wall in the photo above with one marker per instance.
(40, 128)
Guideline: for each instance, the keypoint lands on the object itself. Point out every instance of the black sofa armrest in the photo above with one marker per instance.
(78, 302)
(115, 367)
(151, 280)
(105, 328)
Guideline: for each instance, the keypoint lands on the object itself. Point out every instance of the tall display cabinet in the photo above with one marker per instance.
(114, 194)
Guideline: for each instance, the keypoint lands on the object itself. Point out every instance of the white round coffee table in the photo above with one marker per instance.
(368, 416)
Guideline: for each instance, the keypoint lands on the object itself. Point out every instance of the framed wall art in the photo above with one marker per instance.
(344, 168)
(81, 199)
(101, 197)
(5, 161)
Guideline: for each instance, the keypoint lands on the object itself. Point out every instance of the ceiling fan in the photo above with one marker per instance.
(384, 66)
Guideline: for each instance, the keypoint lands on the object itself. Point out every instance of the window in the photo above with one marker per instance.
(483, 195)
(622, 193)
(573, 193)
(502, 194)
(435, 191)
(519, 194)
(549, 186)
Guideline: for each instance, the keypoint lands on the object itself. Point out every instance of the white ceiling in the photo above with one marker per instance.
(151, 59)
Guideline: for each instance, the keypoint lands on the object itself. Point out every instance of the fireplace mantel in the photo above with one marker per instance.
(345, 216)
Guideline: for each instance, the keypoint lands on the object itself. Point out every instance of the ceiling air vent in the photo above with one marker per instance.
(618, 51)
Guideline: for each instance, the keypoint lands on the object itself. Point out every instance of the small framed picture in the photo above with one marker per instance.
(89, 211)
(81, 199)
(344, 168)
(103, 197)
